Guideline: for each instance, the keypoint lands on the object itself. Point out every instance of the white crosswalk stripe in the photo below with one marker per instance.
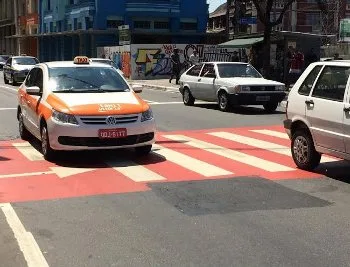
(29, 151)
(272, 133)
(190, 163)
(135, 172)
(231, 154)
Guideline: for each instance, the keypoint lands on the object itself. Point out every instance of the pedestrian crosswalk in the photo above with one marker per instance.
(216, 153)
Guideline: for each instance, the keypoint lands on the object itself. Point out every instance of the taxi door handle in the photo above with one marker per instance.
(199, 79)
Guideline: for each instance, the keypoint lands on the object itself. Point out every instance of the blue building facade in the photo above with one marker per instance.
(76, 27)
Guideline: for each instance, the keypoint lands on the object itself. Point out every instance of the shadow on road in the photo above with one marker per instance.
(339, 170)
(242, 110)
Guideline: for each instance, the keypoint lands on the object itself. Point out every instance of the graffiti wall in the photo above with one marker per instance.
(120, 55)
(152, 61)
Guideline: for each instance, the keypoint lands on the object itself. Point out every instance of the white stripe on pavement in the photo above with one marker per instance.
(29, 247)
(135, 172)
(3, 109)
(9, 88)
(29, 151)
(272, 133)
(190, 163)
(231, 154)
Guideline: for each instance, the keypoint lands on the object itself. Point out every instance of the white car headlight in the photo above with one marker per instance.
(147, 115)
(280, 88)
(64, 118)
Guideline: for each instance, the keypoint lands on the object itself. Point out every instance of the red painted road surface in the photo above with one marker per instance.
(27, 184)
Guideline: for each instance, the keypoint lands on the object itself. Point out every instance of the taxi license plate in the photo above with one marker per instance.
(112, 133)
(262, 98)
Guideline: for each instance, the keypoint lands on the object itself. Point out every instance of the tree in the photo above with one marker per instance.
(264, 9)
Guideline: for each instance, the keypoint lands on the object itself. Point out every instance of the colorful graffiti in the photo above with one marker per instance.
(153, 61)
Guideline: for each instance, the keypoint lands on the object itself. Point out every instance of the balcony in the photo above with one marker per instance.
(164, 6)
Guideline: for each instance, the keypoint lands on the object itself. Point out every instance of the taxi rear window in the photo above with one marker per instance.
(86, 79)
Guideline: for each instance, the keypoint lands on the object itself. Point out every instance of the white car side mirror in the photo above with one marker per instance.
(137, 88)
(33, 90)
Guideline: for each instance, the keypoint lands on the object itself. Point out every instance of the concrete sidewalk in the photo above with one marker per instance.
(161, 84)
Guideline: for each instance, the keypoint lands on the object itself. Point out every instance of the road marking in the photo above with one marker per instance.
(264, 144)
(272, 133)
(166, 103)
(134, 171)
(151, 102)
(9, 88)
(61, 172)
(26, 241)
(2, 109)
(190, 163)
(29, 151)
(231, 154)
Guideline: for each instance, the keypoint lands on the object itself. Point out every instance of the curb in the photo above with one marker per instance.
(157, 87)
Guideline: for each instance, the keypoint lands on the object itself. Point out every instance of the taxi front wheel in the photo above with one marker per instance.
(143, 150)
(23, 132)
(46, 149)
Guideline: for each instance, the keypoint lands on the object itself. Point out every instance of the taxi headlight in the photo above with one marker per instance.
(64, 118)
(147, 115)
(280, 88)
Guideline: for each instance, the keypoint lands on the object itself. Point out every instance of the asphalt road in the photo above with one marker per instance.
(242, 220)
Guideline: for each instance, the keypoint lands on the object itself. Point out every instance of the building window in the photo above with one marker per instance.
(49, 5)
(188, 26)
(142, 24)
(114, 23)
(313, 19)
(161, 25)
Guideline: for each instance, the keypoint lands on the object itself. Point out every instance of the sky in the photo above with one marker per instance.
(213, 4)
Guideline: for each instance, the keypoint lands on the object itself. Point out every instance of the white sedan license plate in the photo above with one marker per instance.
(262, 98)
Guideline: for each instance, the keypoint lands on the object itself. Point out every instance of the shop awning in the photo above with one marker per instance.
(242, 43)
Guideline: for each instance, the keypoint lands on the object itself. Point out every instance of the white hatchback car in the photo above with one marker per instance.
(318, 114)
(230, 84)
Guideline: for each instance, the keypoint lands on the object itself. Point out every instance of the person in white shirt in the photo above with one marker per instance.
(194, 58)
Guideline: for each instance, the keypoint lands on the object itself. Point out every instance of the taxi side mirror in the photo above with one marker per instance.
(33, 90)
(137, 88)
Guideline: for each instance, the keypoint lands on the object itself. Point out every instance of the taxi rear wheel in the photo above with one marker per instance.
(188, 98)
(23, 132)
(143, 150)
(46, 149)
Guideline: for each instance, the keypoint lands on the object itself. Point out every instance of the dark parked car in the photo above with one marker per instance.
(17, 68)
(3, 59)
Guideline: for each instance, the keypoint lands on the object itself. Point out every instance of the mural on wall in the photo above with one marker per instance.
(153, 60)
(120, 55)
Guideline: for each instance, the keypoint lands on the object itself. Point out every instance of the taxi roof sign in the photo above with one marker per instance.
(81, 60)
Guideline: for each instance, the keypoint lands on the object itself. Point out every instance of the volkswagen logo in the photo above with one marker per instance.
(112, 120)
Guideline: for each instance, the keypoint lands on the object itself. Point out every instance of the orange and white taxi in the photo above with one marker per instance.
(80, 105)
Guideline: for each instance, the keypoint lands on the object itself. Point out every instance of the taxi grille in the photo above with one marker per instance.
(97, 142)
(262, 88)
(102, 120)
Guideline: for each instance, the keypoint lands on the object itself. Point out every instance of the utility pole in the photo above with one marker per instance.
(228, 20)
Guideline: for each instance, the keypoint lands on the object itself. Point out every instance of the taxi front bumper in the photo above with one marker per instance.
(78, 137)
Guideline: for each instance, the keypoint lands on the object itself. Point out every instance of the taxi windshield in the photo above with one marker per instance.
(237, 70)
(86, 79)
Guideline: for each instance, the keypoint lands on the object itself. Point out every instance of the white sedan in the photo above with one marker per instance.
(230, 84)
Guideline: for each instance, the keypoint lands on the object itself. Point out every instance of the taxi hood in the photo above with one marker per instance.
(97, 104)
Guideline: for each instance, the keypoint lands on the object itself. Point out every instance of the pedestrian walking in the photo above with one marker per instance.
(176, 66)
(235, 57)
(194, 58)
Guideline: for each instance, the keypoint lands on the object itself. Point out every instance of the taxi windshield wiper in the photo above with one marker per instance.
(73, 78)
